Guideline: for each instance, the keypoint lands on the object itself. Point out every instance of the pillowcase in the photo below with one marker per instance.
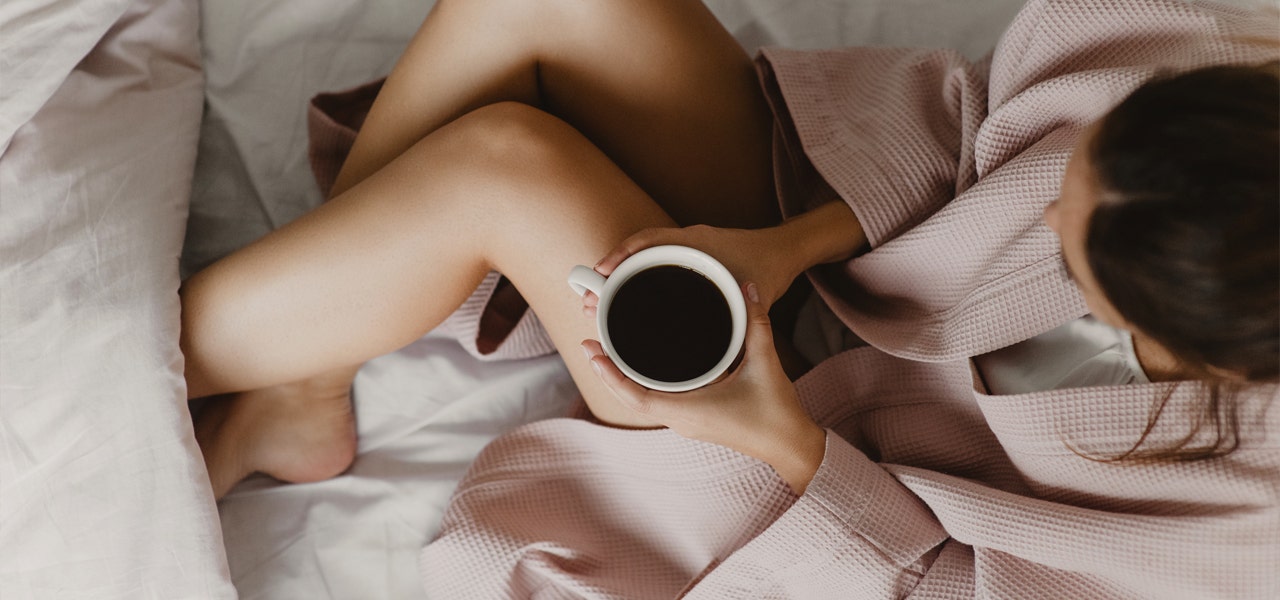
(103, 493)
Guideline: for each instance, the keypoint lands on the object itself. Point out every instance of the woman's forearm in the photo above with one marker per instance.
(798, 454)
(829, 233)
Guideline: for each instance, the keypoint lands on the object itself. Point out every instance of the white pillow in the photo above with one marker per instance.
(40, 42)
(102, 490)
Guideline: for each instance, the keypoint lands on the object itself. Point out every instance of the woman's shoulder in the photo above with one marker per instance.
(1051, 38)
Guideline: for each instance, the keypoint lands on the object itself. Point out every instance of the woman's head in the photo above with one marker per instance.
(1170, 224)
(1170, 219)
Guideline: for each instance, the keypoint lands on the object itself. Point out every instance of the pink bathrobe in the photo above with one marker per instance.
(929, 487)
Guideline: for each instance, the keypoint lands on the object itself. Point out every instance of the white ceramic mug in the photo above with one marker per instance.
(583, 278)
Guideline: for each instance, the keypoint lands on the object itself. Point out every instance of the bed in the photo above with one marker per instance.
(141, 140)
(424, 412)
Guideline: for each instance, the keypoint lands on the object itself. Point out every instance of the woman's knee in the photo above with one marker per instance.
(514, 143)
(564, 25)
(531, 173)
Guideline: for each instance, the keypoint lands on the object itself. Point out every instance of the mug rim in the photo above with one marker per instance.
(699, 262)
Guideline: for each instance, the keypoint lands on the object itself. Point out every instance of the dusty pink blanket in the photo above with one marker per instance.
(929, 488)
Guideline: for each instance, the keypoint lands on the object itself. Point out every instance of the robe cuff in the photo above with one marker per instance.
(868, 502)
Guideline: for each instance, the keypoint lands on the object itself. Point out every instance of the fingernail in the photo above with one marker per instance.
(586, 352)
(595, 365)
(752, 293)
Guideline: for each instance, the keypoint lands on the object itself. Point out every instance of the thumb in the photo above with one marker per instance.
(759, 331)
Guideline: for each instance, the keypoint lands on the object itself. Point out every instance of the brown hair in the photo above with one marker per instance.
(1185, 240)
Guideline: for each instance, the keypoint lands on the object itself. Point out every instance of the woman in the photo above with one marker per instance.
(460, 169)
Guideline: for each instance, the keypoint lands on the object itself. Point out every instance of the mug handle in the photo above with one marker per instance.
(582, 279)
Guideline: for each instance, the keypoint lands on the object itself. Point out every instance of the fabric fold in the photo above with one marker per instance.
(40, 44)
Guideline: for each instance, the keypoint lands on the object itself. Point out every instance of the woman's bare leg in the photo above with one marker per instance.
(658, 85)
(506, 188)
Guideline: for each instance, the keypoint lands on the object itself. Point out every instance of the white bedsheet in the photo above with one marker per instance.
(425, 411)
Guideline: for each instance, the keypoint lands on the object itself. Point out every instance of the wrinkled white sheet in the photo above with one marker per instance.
(102, 491)
(424, 412)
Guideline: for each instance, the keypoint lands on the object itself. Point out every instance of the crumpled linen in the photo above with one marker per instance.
(103, 493)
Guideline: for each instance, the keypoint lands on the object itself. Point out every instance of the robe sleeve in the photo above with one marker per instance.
(949, 164)
(864, 530)
(882, 129)
(855, 533)
(958, 243)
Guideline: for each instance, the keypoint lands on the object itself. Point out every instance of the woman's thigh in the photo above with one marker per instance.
(658, 85)
(663, 89)
(567, 204)
(506, 187)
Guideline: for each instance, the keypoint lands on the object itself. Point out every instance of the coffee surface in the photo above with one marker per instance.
(670, 323)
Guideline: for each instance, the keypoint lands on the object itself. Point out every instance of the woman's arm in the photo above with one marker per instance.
(827, 234)
(771, 257)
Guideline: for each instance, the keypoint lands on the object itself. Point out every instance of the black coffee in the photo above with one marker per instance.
(670, 323)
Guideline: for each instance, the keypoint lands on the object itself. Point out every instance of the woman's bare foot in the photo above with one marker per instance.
(298, 432)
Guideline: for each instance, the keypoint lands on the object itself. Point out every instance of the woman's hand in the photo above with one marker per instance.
(754, 410)
(771, 257)
(757, 255)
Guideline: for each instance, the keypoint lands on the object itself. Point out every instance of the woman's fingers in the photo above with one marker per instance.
(638, 241)
(632, 395)
(759, 331)
(760, 360)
